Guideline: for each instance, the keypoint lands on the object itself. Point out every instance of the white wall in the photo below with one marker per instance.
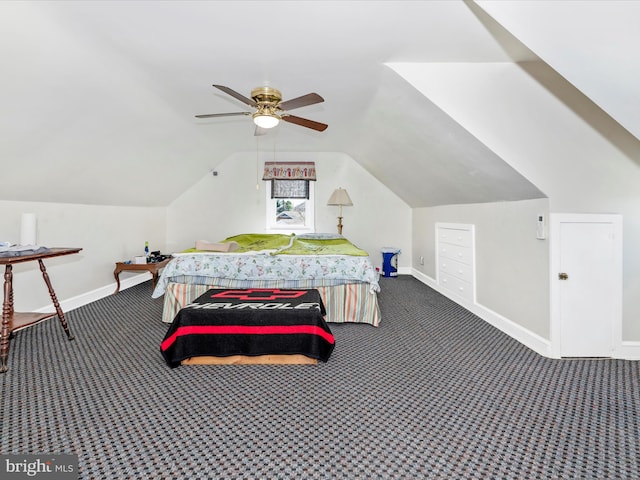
(511, 264)
(106, 234)
(229, 204)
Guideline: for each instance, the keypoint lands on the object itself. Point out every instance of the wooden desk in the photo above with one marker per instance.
(153, 268)
(13, 321)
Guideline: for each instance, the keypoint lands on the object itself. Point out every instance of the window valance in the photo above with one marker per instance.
(289, 171)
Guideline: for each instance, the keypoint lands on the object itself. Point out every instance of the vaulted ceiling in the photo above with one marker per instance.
(98, 98)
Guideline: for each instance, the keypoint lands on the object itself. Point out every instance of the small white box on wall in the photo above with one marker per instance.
(541, 231)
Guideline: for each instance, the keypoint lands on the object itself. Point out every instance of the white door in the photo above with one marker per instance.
(587, 283)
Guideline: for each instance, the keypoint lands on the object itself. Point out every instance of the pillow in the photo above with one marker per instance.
(216, 247)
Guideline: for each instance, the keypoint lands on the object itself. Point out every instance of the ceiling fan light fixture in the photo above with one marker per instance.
(265, 121)
(270, 109)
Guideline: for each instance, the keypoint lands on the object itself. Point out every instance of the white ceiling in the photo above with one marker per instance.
(98, 98)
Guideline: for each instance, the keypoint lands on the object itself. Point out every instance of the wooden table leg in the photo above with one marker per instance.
(7, 313)
(116, 273)
(59, 311)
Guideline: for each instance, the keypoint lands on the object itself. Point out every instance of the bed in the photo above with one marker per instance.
(342, 273)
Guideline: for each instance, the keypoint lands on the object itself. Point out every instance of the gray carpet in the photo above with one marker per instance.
(434, 392)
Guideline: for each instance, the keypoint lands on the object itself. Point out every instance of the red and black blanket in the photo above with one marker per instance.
(249, 322)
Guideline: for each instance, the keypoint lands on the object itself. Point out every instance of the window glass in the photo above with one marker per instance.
(290, 213)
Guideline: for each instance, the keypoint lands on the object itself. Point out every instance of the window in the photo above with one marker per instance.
(290, 187)
(290, 211)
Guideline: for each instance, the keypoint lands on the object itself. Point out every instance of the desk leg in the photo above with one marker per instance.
(7, 313)
(116, 273)
(59, 311)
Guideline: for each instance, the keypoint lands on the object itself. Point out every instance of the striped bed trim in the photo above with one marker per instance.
(344, 303)
(282, 283)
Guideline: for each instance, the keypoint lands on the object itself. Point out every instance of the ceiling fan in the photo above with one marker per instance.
(270, 108)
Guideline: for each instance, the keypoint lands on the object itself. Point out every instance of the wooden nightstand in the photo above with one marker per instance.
(153, 268)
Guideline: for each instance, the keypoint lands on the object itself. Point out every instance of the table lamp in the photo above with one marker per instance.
(340, 197)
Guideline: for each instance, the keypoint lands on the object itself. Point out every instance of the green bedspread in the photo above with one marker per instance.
(255, 242)
(251, 242)
(279, 244)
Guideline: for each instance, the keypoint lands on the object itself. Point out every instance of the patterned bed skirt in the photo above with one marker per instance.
(344, 303)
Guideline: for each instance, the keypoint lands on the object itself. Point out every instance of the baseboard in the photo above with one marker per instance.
(88, 297)
(628, 351)
(529, 339)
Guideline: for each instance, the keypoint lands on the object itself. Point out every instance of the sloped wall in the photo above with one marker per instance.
(560, 140)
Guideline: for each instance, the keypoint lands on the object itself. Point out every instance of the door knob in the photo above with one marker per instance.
(563, 276)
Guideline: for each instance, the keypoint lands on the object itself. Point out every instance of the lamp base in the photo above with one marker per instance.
(339, 225)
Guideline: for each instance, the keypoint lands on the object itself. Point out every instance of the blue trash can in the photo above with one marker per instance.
(390, 261)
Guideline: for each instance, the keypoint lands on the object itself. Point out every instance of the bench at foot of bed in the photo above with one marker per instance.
(268, 326)
(252, 360)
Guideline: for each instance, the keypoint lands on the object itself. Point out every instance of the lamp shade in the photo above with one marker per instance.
(340, 197)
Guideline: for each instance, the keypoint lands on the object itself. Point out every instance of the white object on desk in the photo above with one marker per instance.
(28, 229)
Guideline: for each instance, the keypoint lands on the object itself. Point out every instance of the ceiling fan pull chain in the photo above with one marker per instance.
(257, 163)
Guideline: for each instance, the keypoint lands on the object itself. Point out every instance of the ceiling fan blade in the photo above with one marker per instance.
(303, 101)
(235, 94)
(211, 115)
(305, 122)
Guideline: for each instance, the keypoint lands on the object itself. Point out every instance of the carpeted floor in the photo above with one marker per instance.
(434, 392)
